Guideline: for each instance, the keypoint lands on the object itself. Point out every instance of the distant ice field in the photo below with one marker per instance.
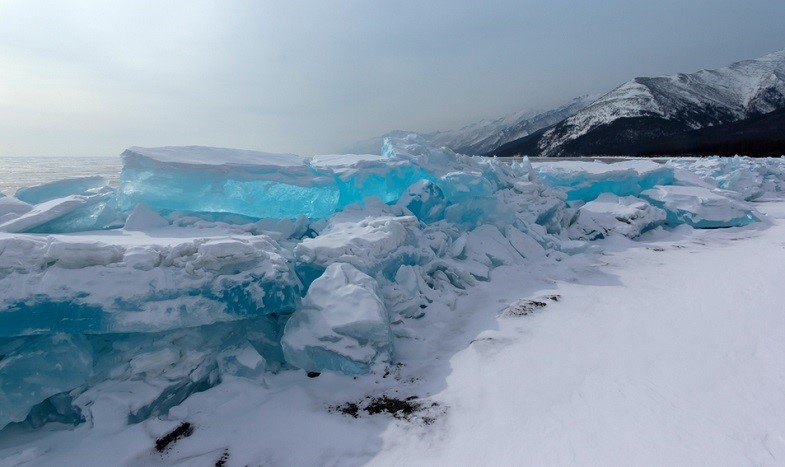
(22, 171)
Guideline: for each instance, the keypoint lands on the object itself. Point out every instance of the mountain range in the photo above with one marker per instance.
(737, 109)
(485, 135)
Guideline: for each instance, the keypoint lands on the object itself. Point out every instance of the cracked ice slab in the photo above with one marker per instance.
(587, 180)
(130, 283)
(59, 189)
(73, 213)
(700, 207)
(628, 216)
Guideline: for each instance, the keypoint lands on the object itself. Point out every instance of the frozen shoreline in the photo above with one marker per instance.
(267, 309)
(656, 352)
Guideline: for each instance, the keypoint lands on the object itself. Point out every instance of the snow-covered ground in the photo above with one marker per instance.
(664, 350)
(668, 351)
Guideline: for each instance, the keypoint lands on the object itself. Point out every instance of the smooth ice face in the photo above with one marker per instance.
(59, 189)
(588, 180)
(608, 214)
(699, 207)
(362, 176)
(195, 178)
(256, 184)
(342, 325)
(144, 218)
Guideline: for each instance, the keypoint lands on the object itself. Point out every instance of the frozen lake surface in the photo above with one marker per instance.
(21, 171)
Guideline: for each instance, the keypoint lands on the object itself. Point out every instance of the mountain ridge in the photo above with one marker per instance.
(486, 134)
(634, 114)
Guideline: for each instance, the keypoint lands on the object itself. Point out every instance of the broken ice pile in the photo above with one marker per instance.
(750, 178)
(209, 264)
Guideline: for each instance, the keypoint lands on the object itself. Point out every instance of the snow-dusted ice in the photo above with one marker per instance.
(587, 180)
(215, 270)
(700, 207)
(58, 189)
(608, 214)
(341, 326)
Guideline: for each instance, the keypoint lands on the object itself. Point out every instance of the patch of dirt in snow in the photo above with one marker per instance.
(183, 430)
(527, 307)
(410, 408)
(221, 462)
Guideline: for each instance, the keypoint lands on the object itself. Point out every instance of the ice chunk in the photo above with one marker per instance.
(699, 207)
(488, 246)
(243, 361)
(59, 189)
(628, 216)
(425, 200)
(77, 285)
(72, 213)
(365, 243)
(588, 180)
(342, 325)
(435, 160)
(11, 208)
(751, 178)
(144, 218)
(362, 176)
(251, 183)
(35, 368)
(256, 184)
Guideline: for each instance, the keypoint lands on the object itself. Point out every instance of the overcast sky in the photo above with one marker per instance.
(90, 78)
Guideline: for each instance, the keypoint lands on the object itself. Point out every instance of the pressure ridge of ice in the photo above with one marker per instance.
(210, 264)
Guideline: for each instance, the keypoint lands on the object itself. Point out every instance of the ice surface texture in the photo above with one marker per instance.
(59, 189)
(608, 214)
(256, 184)
(587, 180)
(232, 263)
(700, 207)
(342, 325)
(72, 285)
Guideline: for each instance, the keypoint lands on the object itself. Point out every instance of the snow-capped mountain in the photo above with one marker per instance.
(642, 110)
(487, 134)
